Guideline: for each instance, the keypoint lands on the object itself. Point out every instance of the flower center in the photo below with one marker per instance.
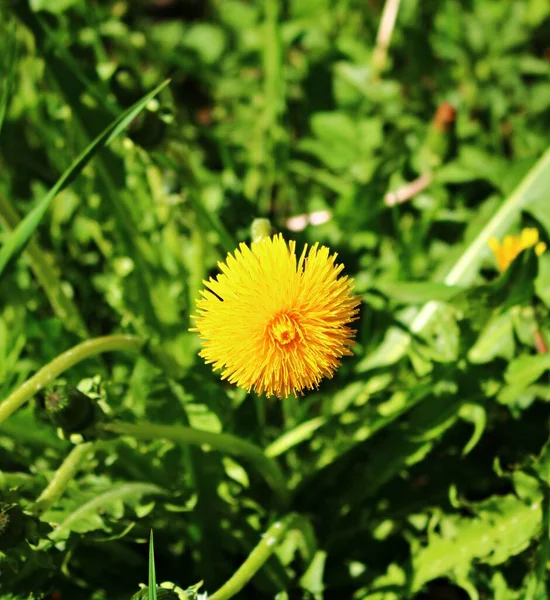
(283, 329)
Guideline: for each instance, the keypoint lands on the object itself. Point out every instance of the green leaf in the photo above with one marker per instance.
(312, 579)
(542, 465)
(417, 292)
(53, 6)
(495, 339)
(22, 233)
(514, 287)
(295, 436)
(207, 40)
(522, 372)
(542, 282)
(85, 516)
(477, 416)
(540, 211)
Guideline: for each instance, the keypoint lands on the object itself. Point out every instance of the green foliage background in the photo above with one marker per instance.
(422, 469)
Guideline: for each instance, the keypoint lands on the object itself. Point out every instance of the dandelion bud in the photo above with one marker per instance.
(260, 228)
(68, 408)
(12, 526)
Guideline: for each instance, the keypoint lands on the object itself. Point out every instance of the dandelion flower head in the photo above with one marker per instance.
(512, 245)
(275, 322)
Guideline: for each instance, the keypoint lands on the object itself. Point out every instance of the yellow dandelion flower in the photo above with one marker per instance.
(275, 323)
(512, 245)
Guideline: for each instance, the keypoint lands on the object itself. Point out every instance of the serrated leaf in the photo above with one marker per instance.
(85, 517)
(503, 527)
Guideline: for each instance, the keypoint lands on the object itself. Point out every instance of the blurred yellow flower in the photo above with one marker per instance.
(275, 323)
(512, 245)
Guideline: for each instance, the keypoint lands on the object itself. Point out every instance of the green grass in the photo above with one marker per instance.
(138, 143)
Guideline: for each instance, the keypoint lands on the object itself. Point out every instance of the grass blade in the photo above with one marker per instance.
(20, 236)
(152, 574)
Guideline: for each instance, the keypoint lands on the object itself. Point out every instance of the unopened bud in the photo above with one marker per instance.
(259, 229)
(12, 526)
(68, 408)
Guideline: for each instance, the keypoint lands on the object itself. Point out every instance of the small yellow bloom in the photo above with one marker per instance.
(512, 245)
(275, 323)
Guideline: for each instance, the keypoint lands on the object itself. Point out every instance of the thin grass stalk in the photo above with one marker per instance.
(383, 39)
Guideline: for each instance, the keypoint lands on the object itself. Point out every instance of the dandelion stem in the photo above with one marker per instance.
(224, 442)
(274, 94)
(385, 30)
(64, 362)
(409, 190)
(255, 560)
(62, 477)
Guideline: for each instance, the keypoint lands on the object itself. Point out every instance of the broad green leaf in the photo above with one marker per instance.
(22, 233)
